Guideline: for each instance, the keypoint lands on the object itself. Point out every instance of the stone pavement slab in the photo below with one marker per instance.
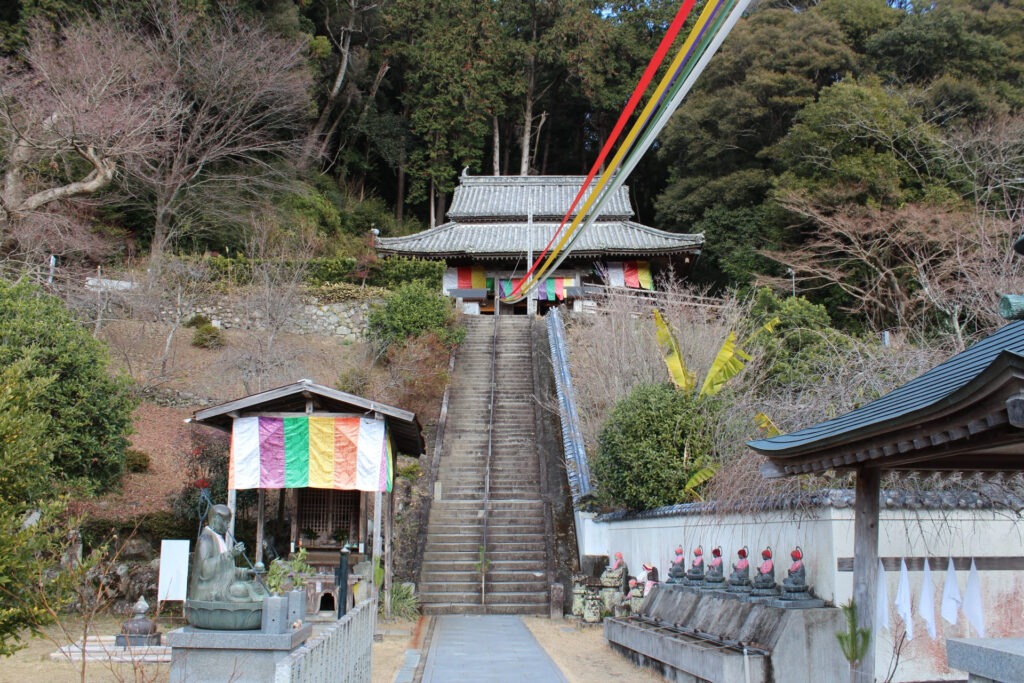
(486, 649)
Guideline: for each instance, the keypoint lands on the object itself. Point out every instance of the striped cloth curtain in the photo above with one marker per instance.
(551, 289)
(633, 274)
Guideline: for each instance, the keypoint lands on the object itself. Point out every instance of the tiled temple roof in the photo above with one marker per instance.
(499, 240)
(490, 218)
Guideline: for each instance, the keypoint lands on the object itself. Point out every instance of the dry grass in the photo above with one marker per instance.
(615, 350)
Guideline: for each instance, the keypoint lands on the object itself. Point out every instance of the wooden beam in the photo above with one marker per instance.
(960, 563)
(865, 562)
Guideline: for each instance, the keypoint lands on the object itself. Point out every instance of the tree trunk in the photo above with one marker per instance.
(400, 191)
(313, 141)
(524, 142)
(432, 220)
(496, 145)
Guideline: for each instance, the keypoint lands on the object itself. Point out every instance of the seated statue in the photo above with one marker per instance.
(677, 569)
(764, 580)
(616, 574)
(739, 580)
(650, 577)
(695, 574)
(715, 573)
(794, 586)
(215, 578)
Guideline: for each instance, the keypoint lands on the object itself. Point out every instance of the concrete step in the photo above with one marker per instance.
(476, 608)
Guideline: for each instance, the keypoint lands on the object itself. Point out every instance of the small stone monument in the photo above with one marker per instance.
(739, 579)
(592, 607)
(764, 580)
(579, 593)
(695, 574)
(636, 595)
(138, 630)
(614, 583)
(715, 576)
(677, 569)
(795, 591)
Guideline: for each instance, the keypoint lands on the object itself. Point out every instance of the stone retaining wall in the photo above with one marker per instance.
(347, 320)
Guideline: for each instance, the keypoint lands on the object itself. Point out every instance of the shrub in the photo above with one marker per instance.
(652, 445)
(286, 575)
(404, 603)
(198, 320)
(397, 271)
(136, 461)
(410, 311)
(208, 337)
(26, 488)
(804, 339)
(91, 410)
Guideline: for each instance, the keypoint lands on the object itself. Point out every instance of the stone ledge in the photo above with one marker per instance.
(997, 659)
(190, 637)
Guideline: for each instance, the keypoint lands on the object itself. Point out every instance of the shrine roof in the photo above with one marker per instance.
(957, 416)
(503, 197)
(405, 430)
(502, 239)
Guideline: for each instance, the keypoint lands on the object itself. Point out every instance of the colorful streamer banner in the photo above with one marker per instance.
(716, 20)
(341, 453)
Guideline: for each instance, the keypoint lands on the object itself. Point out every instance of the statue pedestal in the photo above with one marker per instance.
(206, 656)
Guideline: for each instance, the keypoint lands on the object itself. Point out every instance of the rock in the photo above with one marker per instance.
(137, 549)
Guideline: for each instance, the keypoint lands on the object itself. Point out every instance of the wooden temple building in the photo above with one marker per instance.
(498, 225)
(331, 455)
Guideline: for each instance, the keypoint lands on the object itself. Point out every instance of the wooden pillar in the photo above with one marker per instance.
(865, 562)
(389, 546)
(233, 506)
(293, 534)
(261, 501)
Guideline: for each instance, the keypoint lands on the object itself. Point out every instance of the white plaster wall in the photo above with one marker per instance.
(826, 534)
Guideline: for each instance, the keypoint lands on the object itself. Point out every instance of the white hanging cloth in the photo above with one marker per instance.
(926, 606)
(903, 600)
(950, 595)
(972, 602)
(881, 600)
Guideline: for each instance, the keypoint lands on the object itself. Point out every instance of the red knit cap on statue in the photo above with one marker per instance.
(797, 554)
(767, 553)
(742, 552)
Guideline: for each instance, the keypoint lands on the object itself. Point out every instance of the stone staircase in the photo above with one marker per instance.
(516, 580)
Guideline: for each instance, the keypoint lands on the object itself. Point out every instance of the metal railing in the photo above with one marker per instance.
(487, 463)
(577, 468)
(342, 652)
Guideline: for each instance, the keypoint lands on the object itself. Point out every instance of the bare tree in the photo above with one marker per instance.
(247, 93)
(271, 298)
(910, 265)
(72, 112)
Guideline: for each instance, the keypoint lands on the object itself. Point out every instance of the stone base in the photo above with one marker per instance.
(715, 585)
(806, 603)
(999, 660)
(207, 656)
(129, 640)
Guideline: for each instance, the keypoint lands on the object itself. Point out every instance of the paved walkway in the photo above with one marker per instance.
(486, 649)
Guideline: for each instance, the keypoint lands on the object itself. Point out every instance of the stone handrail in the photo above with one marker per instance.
(342, 652)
